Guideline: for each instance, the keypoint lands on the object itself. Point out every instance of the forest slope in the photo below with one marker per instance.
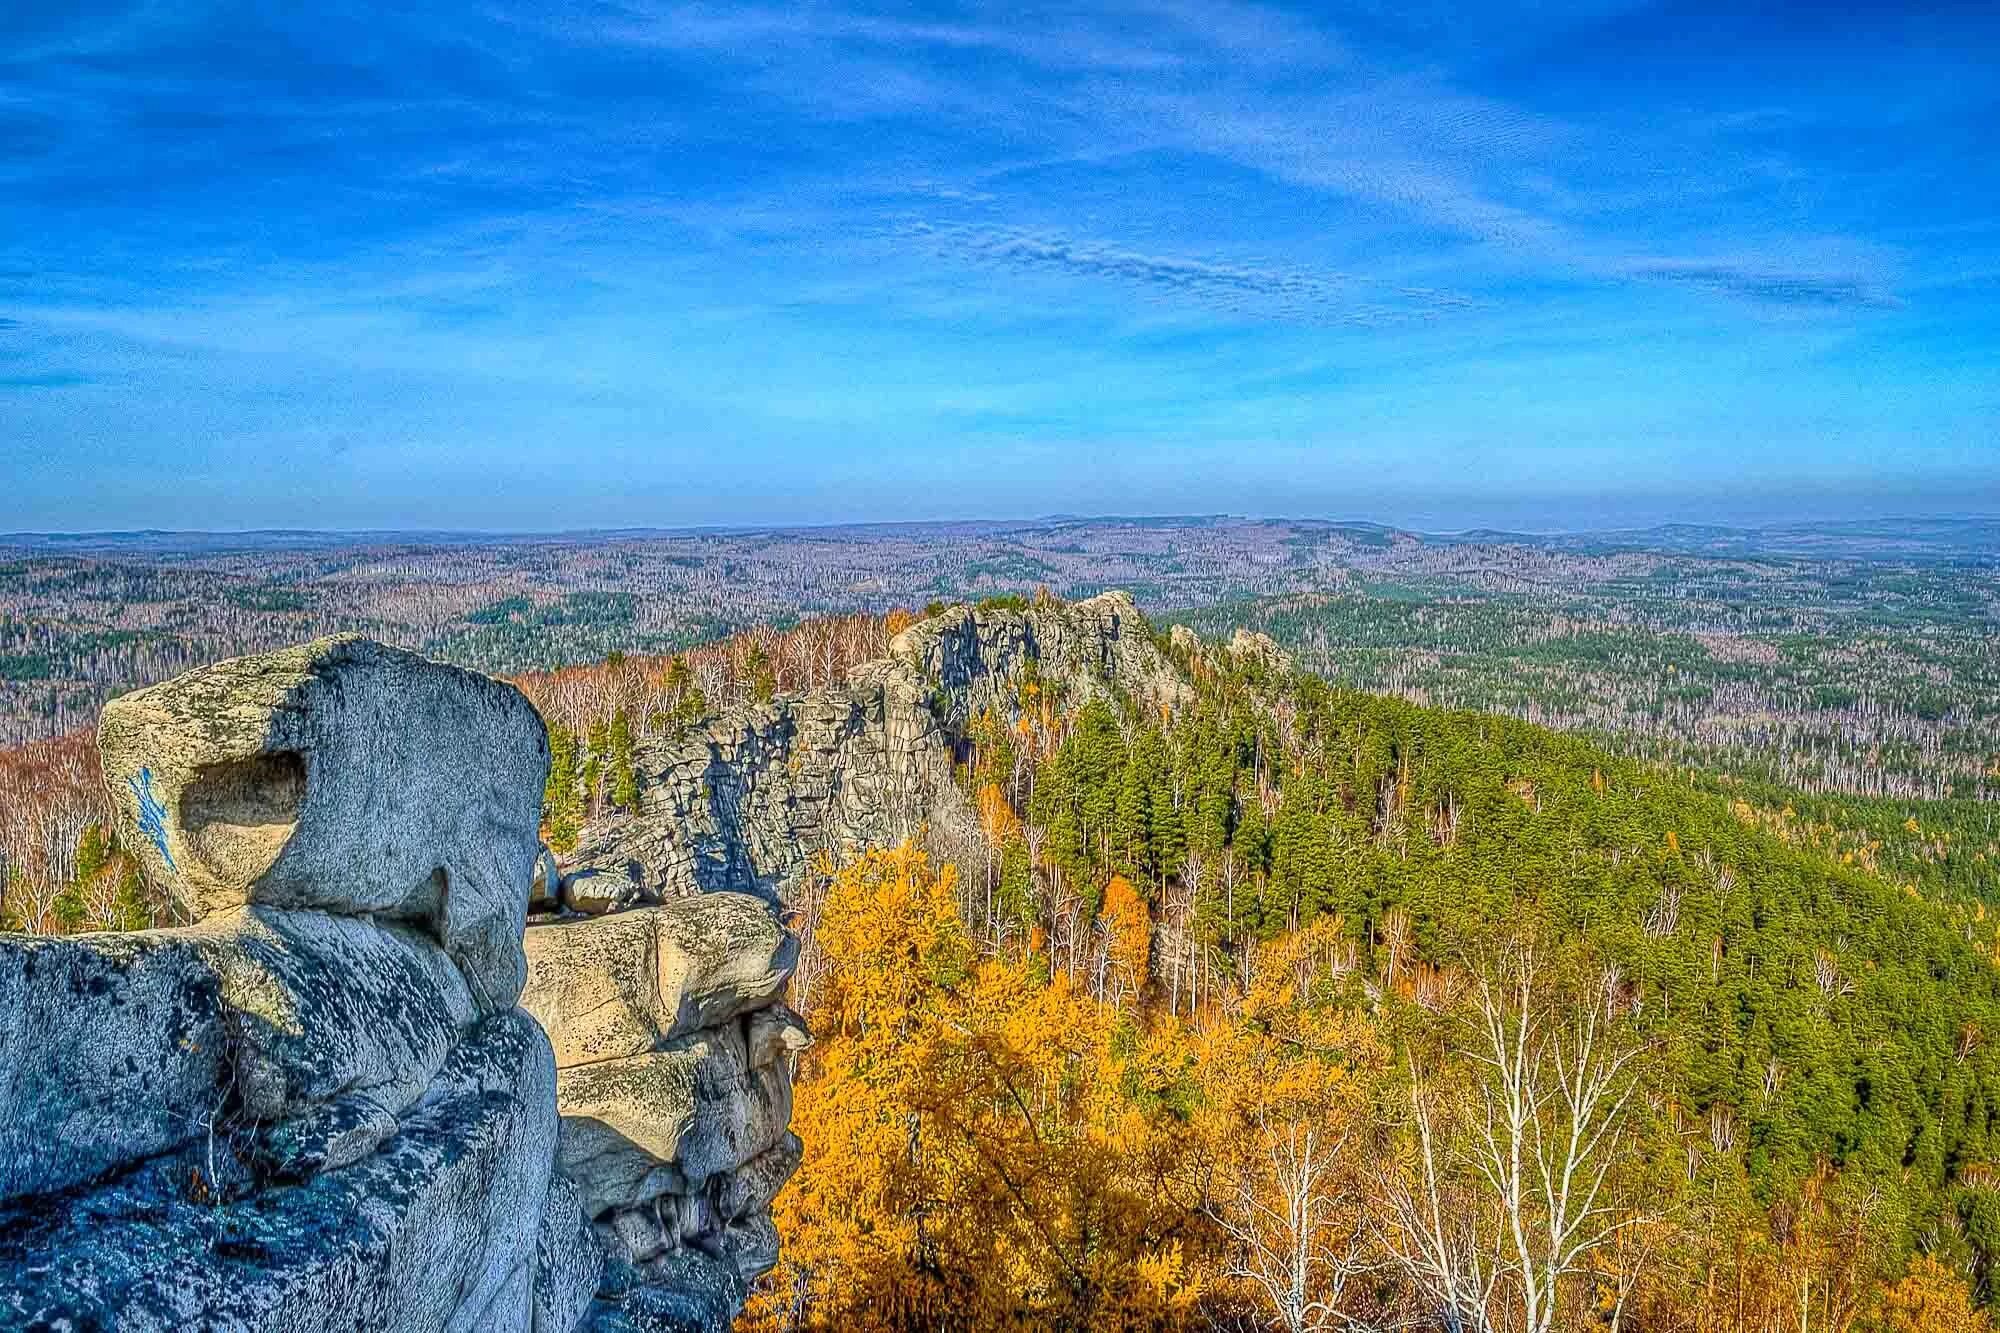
(1808, 1014)
(1814, 1094)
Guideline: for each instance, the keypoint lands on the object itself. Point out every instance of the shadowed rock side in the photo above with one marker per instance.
(318, 1105)
(748, 799)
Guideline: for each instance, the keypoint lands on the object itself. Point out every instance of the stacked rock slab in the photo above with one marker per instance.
(318, 1104)
(673, 1050)
(750, 799)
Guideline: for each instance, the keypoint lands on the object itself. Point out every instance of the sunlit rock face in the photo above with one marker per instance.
(318, 1105)
(751, 799)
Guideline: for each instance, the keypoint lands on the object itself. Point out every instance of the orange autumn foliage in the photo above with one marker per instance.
(973, 1156)
(990, 1144)
(1128, 928)
(1931, 1299)
(996, 816)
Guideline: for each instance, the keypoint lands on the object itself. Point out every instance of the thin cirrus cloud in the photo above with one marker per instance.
(1406, 143)
(489, 227)
(1236, 290)
(1780, 287)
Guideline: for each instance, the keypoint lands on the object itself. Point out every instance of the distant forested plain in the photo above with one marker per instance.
(1851, 659)
(1849, 663)
(1848, 674)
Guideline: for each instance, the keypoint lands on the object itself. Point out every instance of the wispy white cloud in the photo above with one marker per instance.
(1284, 95)
(1765, 283)
(1139, 36)
(1148, 76)
(1234, 289)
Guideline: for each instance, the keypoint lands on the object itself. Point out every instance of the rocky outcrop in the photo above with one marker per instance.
(299, 1033)
(319, 1105)
(674, 1051)
(748, 800)
(436, 1229)
(339, 775)
(969, 660)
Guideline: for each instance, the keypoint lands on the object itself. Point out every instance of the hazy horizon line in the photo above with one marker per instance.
(557, 534)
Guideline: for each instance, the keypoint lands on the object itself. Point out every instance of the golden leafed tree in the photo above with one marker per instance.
(1931, 1298)
(976, 1155)
(1128, 941)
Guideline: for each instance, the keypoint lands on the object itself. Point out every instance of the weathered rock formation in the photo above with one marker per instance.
(340, 775)
(746, 801)
(673, 1049)
(969, 659)
(319, 1105)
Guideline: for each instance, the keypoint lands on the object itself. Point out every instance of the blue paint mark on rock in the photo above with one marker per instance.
(152, 815)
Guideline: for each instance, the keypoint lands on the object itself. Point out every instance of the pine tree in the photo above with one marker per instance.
(763, 678)
(93, 853)
(1131, 822)
(689, 705)
(562, 802)
(131, 908)
(1014, 899)
(596, 747)
(624, 775)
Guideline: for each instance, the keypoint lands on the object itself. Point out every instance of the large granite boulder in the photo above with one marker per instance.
(341, 775)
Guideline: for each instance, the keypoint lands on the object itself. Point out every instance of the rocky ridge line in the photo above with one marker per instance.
(748, 799)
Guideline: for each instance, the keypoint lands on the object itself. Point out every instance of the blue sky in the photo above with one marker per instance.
(517, 265)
